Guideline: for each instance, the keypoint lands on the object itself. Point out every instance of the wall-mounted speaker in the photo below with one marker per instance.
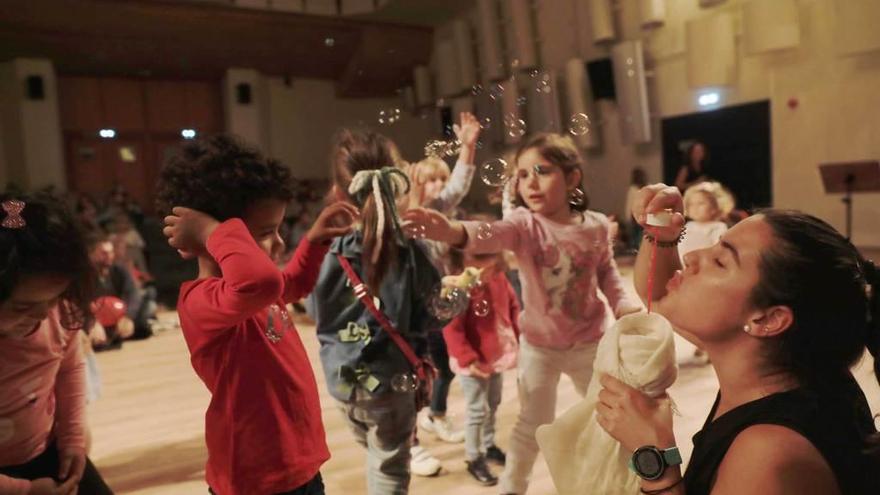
(34, 88)
(243, 94)
(632, 92)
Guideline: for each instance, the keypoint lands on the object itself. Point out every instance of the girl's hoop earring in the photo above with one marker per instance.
(577, 197)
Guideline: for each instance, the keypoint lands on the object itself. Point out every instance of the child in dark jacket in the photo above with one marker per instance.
(482, 344)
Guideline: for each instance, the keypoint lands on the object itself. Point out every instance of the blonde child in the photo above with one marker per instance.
(564, 258)
(703, 208)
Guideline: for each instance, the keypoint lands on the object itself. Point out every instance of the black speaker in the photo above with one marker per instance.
(34, 88)
(243, 93)
(601, 74)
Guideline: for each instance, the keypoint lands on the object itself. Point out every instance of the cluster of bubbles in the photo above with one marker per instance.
(441, 148)
(449, 302)
(579, 124)
(481, 307)
(484, 231)
(404, 382)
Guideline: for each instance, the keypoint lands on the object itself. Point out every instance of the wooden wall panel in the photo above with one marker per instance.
(123, 104)
(166, 105)
(79, 100)
(203, 106)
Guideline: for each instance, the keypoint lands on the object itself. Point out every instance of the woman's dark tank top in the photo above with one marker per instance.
(836, 423)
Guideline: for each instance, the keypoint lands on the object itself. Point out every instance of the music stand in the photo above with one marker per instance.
(849, 178)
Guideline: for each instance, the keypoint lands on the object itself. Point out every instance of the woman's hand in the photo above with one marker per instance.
(188, 230)
(654, 199)
(335, 220)
(431, 224)
(632, 418)
(44, 486)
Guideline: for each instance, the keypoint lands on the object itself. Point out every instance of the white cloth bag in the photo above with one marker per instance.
(639, 350)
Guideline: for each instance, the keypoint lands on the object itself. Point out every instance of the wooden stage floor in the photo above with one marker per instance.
(148, 426)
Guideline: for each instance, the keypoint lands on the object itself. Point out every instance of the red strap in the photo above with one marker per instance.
(361, 292)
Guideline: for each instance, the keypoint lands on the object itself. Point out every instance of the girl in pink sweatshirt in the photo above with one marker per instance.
(46, 283)
(564, 255)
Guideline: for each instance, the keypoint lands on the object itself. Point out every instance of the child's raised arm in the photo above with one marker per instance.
(301, 272)
(249, 279)
(463, 173)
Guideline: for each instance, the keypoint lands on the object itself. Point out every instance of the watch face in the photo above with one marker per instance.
(648, 464)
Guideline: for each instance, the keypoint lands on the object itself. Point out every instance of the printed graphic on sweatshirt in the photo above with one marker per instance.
(568, 271)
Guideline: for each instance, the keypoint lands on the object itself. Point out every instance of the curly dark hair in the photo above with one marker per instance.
(222, 177)
(51, 242)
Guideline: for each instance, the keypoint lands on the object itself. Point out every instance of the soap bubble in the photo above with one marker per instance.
(516, 127)
(495, 91)
(521, 101)
(448, 302)
(579, 124)
(494, 172)
(477, 89)
(388, 116)
(417, 231)
(404, 382)
(486, 123)
(543, 87)
(484, 231)
(481, 307)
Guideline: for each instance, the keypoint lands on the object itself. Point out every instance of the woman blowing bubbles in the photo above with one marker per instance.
(783, 306)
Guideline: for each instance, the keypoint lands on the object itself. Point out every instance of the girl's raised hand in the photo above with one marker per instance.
(427, 223)
(656, 198)
(468, 130)
(188, 230)
(633, 418)
(335, 220)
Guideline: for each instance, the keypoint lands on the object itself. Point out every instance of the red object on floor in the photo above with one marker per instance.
(109, 310)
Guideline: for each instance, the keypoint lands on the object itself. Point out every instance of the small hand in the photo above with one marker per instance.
(98, 334)
(335, 220)
(188, 230)
(72, 465)
(633, 418)
(43, 486)
(468, 130)
(431, 224)
(477, 371)
(125, 327)
(656, 198)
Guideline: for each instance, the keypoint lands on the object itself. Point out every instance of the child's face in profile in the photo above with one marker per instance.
(263, 219)
(30, 302)
(700, 208)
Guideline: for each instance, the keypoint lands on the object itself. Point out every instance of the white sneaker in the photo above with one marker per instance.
(442, 428)
(423, 463)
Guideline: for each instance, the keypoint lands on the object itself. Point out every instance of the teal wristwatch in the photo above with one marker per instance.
(650, 463)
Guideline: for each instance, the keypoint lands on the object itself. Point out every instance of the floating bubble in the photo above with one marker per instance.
(404, 382)
(486, 123)
(484, 231)
(479, 144)
(481, 308)
(448, 302)
(579, 124)
(417, 231)
(516, 128)
(477, 89)
(543, 87)
(521, 101)
(534, 73)
(496, 90)
(494, 172)
(389, 116)
(514, 63)
(630, 73)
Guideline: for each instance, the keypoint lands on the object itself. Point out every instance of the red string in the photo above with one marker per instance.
(652, 267)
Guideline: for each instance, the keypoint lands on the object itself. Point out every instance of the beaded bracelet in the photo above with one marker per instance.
(666, 244)
(661, 490)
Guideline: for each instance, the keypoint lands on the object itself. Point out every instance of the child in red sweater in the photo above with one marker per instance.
(263, 427)
(482, 344)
